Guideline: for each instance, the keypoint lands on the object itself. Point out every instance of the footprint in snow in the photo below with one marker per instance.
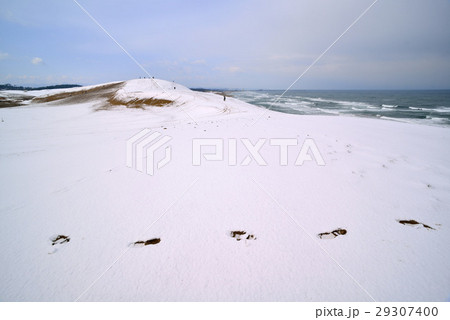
(414, 223)
(240, 235)
(149, 242)
(333, 234)
(58, 240)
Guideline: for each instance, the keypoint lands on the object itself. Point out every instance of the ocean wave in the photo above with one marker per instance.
(391, 106)
(403, 107)
(341, 102)
(438, 119)
(441, 109)
(328, 111)
(397, 119)
(299, 106)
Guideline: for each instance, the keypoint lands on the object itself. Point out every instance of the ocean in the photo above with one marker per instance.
(431, 107)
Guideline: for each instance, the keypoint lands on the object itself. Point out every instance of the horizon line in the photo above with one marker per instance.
(213, 88)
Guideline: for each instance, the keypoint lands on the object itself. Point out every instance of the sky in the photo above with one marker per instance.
(397, 44)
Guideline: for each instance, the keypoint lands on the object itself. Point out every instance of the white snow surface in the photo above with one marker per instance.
(63, 172)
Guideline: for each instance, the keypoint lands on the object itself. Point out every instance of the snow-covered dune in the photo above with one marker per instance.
(372, 223)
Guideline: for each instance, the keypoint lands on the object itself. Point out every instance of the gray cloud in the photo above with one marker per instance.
(244, 44)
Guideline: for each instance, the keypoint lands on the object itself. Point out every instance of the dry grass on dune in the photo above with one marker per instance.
(106, 93)
(137, 103)
(80, 96)
(13, 100)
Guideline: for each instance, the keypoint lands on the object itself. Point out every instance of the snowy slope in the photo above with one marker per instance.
(63, 172)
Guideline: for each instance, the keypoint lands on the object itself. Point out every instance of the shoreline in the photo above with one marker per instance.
(305, 104)
(425, 107)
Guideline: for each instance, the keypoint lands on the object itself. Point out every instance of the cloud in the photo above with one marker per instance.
(37, 60)
(216, 44)
(230, 69)
(199, 61)
(234, 69)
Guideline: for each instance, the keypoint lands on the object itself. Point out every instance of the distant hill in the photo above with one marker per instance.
(211, 90)
(58, 86)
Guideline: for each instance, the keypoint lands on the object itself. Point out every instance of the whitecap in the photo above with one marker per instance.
(441, 109)
(438, 119)
(328, 111)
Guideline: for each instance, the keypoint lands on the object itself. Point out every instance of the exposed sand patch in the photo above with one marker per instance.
(104, 92)
(13, 100)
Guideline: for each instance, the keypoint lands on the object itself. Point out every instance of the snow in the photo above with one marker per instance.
(63, 172)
